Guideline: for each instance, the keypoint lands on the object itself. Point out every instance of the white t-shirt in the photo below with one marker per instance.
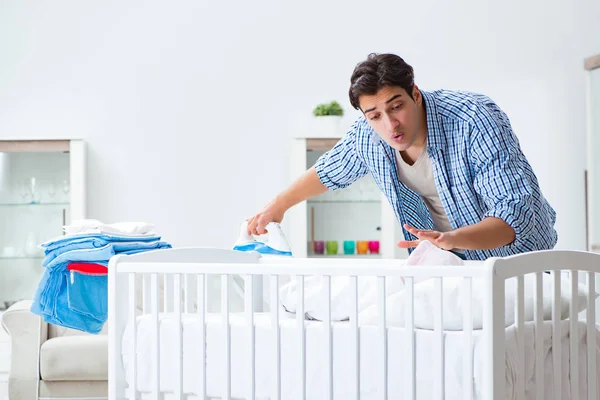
(419, 177)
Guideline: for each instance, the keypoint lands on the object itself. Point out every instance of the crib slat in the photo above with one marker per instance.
(539, 336)
(468, 332)
(168, 293)
(146, 300)
(439, 383)
(556, 333)
(494, 336)
(155, 336)
(225, 317)
(574, 335)
(249, 307)
(328, 337)
(520, 325)
(274, 288)
(190, 289)
(201, 299)
(257, 283)
(410, 354)
(356, 332)
(301, 333)
(591, 336)
(133, 321)
(381, 295)
(178, 337)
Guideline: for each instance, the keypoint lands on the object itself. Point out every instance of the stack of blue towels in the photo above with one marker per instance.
(73, 291)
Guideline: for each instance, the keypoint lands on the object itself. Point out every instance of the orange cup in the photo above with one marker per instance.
(362, 247)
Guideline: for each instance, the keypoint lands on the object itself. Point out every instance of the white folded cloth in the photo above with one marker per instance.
(119, 228)
(426, 253)
(341, 291)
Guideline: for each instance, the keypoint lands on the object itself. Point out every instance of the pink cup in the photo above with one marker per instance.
(374, 246)
(319, 247)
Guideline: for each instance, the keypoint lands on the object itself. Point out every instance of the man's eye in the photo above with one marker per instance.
(374, 117)
(397, 107)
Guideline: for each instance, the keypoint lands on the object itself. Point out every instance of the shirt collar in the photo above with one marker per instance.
(435, 132)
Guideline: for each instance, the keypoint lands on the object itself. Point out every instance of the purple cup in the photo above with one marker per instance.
(319, 247)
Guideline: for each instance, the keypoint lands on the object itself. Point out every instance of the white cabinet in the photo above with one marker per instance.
(592, 182)
(592, 66)
(42, 187)
(4, 361)
(340, 223)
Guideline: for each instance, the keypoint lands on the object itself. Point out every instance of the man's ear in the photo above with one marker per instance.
(416, 94)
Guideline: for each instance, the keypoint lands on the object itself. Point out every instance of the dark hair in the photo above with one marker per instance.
(377, 71)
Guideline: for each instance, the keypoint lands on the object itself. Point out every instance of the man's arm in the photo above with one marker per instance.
(502, 175)
(336, 169)
(490, 233)
(503, 179)
(307, 186)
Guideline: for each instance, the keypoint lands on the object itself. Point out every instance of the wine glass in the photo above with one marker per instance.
(26, 190)
(35, 195)
(51, 191)
(66, 188)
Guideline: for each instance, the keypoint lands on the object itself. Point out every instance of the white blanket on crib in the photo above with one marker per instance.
(425, 296)
(315, 295)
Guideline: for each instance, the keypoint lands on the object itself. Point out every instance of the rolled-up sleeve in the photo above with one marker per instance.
(341, 166)
(502, 175)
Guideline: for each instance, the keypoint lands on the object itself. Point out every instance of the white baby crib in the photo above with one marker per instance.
(430, 346)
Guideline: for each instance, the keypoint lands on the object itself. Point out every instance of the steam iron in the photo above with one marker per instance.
(271, 243)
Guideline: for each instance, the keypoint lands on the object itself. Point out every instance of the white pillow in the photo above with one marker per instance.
(453, 308)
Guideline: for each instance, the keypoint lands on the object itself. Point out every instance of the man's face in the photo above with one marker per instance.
(395, 116)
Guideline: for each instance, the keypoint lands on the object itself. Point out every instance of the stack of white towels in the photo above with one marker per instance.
(118, 228)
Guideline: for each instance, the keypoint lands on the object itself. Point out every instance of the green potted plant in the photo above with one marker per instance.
(328, 118)
(331, 109)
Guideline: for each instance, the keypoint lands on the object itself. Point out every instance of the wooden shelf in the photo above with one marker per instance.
(320, 144)
(592, 62)
(38, 146)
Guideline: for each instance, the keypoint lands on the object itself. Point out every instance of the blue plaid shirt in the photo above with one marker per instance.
(478, 166)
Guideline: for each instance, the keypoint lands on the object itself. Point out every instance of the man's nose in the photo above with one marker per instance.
(390, 123)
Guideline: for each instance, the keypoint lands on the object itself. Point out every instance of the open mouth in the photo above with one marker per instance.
(397, 137)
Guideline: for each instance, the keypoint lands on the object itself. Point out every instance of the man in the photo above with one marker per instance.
(448, 162)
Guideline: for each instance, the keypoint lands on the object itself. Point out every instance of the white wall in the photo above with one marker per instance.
(187, 106)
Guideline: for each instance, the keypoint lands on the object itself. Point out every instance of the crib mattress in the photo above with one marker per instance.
(344, 364)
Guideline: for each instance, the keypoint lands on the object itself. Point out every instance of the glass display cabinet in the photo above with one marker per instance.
(42, 187)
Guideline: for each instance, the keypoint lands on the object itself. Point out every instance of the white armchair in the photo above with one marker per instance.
(51, 362)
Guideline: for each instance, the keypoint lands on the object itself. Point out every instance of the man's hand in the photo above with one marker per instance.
(306, 186)
(272, 212)
(443, 240)
(490, 233)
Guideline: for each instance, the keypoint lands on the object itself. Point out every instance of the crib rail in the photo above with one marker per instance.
(556, 263)
(185, 275)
